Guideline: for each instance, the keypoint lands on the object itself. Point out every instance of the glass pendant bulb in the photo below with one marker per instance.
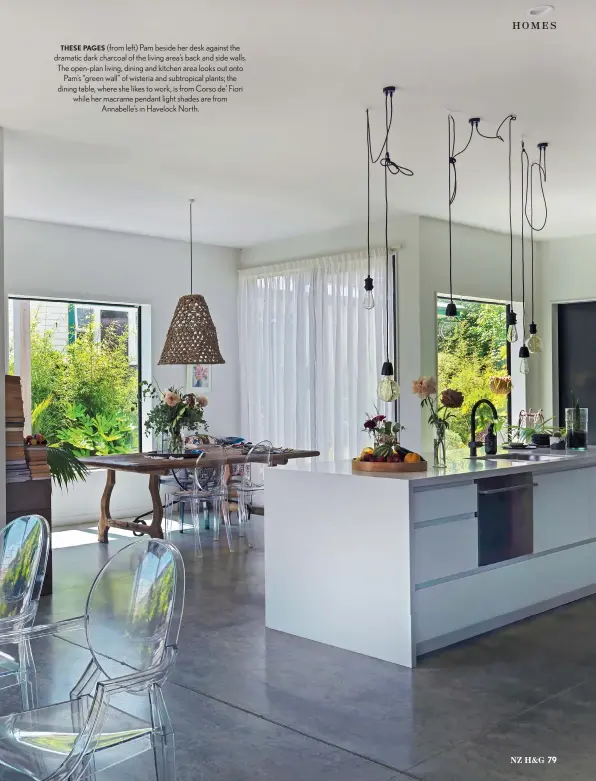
(369, 299)
(534, 342)
(512, 335)
(524, 362)
(388, 389)
(449, 322)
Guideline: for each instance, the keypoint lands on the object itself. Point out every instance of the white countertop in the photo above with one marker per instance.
(460, 467)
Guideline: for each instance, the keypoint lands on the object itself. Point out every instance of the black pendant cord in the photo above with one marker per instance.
(525, 162)
(452, 193)
(190, 203)
(541, 167)
(511, 118)
(368, 161)
(510, 227)
(387, 266)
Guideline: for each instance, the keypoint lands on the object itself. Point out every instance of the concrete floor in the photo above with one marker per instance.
(248, 703)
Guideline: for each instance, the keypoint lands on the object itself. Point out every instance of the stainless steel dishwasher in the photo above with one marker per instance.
(505, 517)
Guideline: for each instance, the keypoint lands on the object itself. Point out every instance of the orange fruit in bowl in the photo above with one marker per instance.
(412, 458)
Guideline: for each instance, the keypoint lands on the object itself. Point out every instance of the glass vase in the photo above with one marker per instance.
(171, 443)
(439, 449)
(576, 425)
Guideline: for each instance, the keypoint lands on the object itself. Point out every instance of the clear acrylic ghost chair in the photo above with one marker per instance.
(250, 482)
(132, 615)
(24, 548)
(209, 485)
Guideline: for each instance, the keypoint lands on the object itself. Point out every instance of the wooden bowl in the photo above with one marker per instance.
(388, 466)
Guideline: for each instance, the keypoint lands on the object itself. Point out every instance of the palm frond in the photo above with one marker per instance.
(65, 466)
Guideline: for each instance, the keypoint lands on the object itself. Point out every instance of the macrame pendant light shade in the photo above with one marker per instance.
(192, 337)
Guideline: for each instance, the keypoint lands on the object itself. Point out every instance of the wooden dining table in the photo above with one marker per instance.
(156, 468)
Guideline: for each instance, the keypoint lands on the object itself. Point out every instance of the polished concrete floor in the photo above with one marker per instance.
(248, 703)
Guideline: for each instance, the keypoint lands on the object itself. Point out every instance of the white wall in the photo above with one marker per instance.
(403, 232)
(59, 261)
(568, 274)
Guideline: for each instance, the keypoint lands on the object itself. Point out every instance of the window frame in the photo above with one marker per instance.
(98, 306)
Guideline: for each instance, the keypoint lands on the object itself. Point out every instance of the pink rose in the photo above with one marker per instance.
(202, 401)
(424, 387)
(171, 399)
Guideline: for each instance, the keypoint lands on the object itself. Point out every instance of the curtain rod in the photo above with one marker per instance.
(280, 264)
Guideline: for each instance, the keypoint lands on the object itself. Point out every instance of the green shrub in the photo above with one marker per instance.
(93, 392)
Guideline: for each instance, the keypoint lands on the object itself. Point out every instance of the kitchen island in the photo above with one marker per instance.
(397, 565)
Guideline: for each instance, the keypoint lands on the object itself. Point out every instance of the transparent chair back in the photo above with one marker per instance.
(213, 478)
(257, 459)
(132, 615)
(135, 605)
(24, 548)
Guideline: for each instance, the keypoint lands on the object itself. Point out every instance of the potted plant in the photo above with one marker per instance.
(576, 425)
(385, 436)
(386, 453)
(532, 427)
(174, 412)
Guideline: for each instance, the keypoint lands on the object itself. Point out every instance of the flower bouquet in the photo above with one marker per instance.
(174, 412)
(386, 454)
(440, 413)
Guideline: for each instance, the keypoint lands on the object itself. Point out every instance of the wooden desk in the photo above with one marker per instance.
(156, 468)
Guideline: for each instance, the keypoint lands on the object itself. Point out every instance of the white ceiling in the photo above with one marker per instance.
(288, 155)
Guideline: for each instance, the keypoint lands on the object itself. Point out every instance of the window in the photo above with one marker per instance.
(476, 350)
(79, 364)
(112, 322)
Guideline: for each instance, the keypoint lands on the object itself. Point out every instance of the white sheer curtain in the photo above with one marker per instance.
(310, 353)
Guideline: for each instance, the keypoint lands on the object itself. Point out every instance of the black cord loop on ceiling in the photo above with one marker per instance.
(542, 180)
(386, 161)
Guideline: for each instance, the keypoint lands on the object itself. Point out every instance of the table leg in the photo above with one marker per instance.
(155, 529)
(105, 517)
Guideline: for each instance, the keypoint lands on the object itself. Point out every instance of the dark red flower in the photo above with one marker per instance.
(370, 424)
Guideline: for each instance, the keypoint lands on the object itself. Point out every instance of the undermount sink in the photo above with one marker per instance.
(516, 456)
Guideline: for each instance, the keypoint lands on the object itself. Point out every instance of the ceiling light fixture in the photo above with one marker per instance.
(524, 352)
(512, 335)
(388, 389)
(449, 321)
(534, 342)
(541, 10)
(191, 337)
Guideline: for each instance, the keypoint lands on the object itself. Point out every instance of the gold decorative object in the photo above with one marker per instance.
(192, 337)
